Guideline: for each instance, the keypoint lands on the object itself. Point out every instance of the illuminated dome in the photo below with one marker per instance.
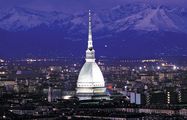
(90, 76)
(90, 83)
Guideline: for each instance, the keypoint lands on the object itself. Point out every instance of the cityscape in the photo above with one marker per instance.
(90, 76)
(45, 88)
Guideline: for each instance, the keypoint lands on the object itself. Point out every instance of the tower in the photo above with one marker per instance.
(90, 83)
(50, 94)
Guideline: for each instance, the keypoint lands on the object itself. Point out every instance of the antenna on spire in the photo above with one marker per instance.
(90, 26)
(90, 52)
(90, 31)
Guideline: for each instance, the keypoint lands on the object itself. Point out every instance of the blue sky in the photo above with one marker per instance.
(74, 5)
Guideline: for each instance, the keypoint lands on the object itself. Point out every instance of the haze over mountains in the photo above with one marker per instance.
(131, 30)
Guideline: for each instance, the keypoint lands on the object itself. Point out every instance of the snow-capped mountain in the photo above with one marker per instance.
(117, 19)
(23, 19)
(132, 29)
(150, 18)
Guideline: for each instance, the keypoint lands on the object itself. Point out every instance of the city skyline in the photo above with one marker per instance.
(93, 59)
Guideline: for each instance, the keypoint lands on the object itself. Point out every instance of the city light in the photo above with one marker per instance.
(2, 73)
(158, 67)
(67, 97)
(1, 61)
(174, 67)
(151, 60)
(52, 69)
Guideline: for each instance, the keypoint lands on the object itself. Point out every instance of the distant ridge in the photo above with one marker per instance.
(133, 29)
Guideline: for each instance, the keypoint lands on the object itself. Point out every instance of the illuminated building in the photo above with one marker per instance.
(90, 84)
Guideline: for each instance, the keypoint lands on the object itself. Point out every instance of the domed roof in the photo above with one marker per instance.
(91, 75)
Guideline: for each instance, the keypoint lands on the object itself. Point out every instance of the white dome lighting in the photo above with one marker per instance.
(90, 76)
(90, 81)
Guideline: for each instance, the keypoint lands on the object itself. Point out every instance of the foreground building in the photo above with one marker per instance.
(90, 84)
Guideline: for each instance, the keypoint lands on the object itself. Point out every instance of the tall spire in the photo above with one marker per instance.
(90, 43)
(90, 52)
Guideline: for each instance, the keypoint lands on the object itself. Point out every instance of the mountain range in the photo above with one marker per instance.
(132, 30)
